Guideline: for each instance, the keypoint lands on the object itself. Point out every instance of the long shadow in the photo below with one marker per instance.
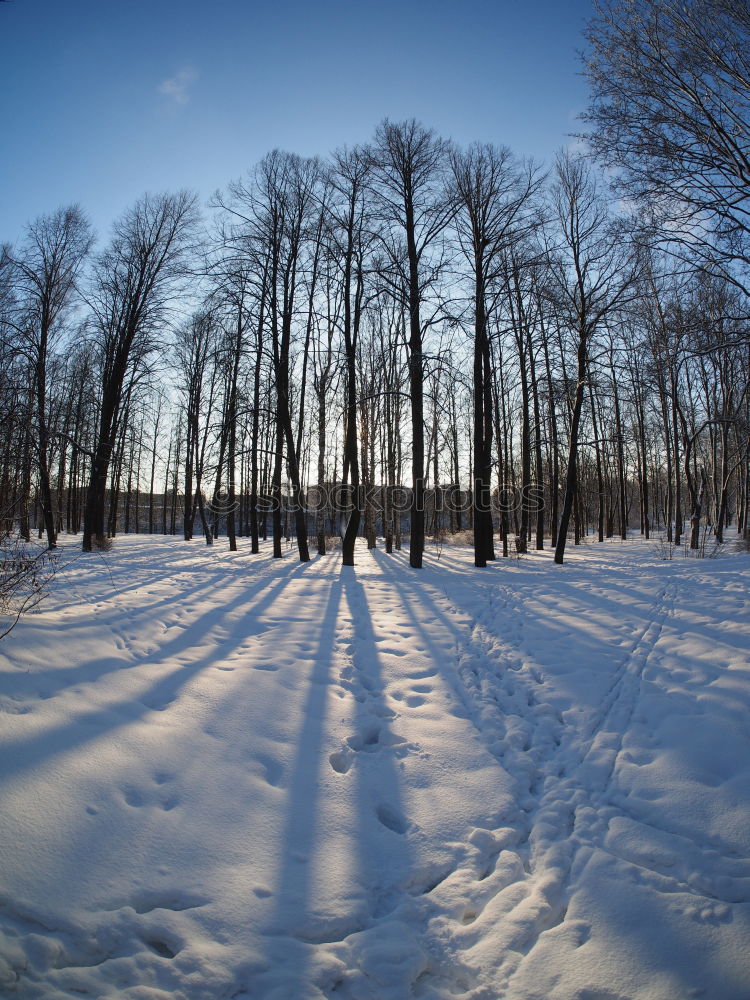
(297, 849)
(631, 937)
(411, 594)
(78, 673)
(70, 634)
(379, 836)
(577, 644)
(587, 646)
(128, 562)
(182, 563)
(635, 937)
(415, 593)
(21, 755)
(381, 808)
(530, 569)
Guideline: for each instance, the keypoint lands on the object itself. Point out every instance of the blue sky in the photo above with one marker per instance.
(104, 100)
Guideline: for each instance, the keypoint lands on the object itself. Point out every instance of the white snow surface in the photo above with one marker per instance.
(228, 776)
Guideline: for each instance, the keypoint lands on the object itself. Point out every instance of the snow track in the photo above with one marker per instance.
(229, 777)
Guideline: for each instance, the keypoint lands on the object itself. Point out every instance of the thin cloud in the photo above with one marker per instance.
(176, 88)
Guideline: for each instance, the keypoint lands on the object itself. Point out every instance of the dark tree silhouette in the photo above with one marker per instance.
(134, 280)
(670, 108)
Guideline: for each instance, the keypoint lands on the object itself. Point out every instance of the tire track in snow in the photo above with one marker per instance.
(574, 814)
(605, 746)
(604, 743)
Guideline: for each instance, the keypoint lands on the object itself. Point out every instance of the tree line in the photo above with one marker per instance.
(409, 336)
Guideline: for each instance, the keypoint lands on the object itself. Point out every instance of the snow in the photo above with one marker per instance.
(225, 776)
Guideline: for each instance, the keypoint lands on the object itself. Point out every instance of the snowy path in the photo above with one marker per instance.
(229, 777)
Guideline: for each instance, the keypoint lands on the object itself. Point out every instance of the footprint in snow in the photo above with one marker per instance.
(273, 772)
(365, 740)
(383, 712)
(147, 901)
(139, 798)
(391, 819)
(160, 706)
(161, 947)
(133, 797)
(340, 762)
(423, 674)
(639, 758)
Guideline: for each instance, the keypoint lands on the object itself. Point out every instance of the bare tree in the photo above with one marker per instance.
(494, 193)
(670, 108)
(25, 573)
(349, 176)
(47, 268)
(196, 348)
(134, 280)
(413, 199)
(590, 274)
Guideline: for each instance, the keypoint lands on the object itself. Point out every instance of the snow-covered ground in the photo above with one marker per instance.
(229, 777)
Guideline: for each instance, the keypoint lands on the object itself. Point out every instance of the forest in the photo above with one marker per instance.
(408, 338)
(385, 517)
